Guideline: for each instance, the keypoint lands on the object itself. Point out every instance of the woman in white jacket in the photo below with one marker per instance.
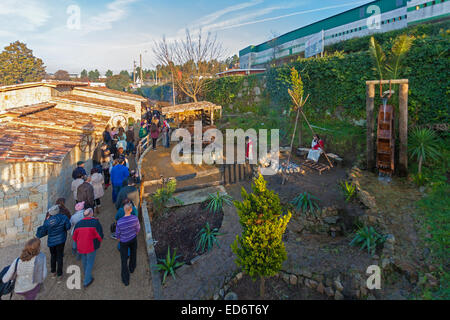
(97, 181)
(31, 270)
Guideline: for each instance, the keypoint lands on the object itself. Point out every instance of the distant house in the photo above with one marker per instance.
(240, 72)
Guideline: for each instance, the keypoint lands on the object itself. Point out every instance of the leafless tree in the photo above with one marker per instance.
(192, 61)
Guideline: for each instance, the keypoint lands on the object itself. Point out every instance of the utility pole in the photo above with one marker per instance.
(141, 74)
(134, 72)
(173, 90)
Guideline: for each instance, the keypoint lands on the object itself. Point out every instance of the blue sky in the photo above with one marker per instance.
(112, 33)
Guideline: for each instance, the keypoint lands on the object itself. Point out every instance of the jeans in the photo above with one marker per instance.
(167, 139)
(106, 175)
(88, 263)
(56, 259)
(74, 250)
(130, 147)
(115, 193)
(128, 268)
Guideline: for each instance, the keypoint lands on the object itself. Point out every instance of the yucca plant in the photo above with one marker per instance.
(348, 189)
(207, 238)
(368, 238)
(217, 201)
(163, 195)
(423, 145)
(306, 202)
(169, 264)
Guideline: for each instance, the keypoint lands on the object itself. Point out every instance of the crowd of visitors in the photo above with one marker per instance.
(26, 274)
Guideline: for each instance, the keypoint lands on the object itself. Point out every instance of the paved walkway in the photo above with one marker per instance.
(106, 272)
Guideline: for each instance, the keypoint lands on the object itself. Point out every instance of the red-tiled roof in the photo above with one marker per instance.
(111, 91)
(99, 102)
(53, 84)
(25, 110)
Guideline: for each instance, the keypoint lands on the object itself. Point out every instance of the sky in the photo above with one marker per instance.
(111, 34)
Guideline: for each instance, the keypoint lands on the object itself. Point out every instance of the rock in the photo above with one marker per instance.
(231, 296)
(306, 273)
(395, 296)
(329, 291)
(371, 297)
(321, 288)
(338, 295)
(390, 238)
(338, 285)
(226, 288)
(363, 290)
(385, 263)
(286, 278)
(239, 276)
(293, 279)
(222, 293)
(331, 220)
(216, 296)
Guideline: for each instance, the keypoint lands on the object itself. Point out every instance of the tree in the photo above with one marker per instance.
(61, 75)
(84, 74)
(260, 249)
(191, 61)
(423, 144)
(94, 75)
(118, 82)
(109, 74)
(19, 65)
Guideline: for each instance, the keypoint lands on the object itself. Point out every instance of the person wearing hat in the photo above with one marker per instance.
(55, 227)
(88, 235)
(77, 217)
(79, 170)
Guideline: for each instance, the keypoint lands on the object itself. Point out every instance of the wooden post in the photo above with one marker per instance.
(403, 129)
(370, 105)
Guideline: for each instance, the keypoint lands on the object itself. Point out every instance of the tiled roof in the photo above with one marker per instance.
(111, 91)
(99, 102)
(46, 136)
(202, 105)
(53, 84)
(25, 110)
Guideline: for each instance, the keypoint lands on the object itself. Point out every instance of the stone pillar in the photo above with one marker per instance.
(370, 105)
(403, 129)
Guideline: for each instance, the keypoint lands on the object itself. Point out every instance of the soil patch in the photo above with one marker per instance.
(179, 227)
(276, 289)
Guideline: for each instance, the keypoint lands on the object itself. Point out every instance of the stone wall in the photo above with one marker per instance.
(26, 96)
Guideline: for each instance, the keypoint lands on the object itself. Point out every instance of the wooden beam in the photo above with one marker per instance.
(403, 129)
(370, 105)
(398, 81)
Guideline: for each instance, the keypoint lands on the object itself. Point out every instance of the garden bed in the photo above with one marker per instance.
(179, 227)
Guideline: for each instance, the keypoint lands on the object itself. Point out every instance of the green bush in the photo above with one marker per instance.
(163, 195)
(348, 189)
(368, 238)
(306, 203)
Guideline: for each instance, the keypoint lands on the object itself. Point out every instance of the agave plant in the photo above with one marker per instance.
(423, 145)
(306, 202)
(349, 190)
(207, 238)
(169, 264)
(216, 202)
(368, 237)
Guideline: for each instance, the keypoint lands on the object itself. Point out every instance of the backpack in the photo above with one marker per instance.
(8, 287)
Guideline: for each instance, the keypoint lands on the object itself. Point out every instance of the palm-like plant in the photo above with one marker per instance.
(423, 144)
(217, 201)
(368, 237)
(163, 195)
(349, 190)
(390, 66)
(306, 202)
(207, 238)
(169, 264)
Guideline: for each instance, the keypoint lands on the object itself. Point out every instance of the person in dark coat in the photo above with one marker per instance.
(55, 227)
(85, 192)
(129, 192)
(79, 170)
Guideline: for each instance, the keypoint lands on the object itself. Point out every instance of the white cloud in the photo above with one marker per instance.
(117, 10)
(22, 15)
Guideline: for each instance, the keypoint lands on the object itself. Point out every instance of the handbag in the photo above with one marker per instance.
(8, 287)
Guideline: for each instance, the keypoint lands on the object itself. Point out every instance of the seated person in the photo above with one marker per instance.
(317, 146)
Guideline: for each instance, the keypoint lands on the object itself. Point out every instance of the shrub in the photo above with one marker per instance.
(423, 145)
(368, 237)
(348, 189)
(216, 202)
(306, 203)
(169, 264)
(163, 195)
(207, 238)
(260, 249)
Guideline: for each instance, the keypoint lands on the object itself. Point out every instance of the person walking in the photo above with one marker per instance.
(85, 193)
(55, 227)
(107, 139)
(75, 184)
(143, 132)
(127, 230)
(29, 270)
(97, 182)
(118, 175)
(130, 192)
(166, 133)
(61, 202)
(79, 170)
(88, 235)
(77, 217)
(105, 160)
(130, 140)
(154, 133)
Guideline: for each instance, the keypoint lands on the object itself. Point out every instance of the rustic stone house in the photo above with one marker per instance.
(45, 129)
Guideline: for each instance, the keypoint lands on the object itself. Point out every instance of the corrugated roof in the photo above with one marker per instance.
(105, 103)
(53, 84)
(28, 109)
